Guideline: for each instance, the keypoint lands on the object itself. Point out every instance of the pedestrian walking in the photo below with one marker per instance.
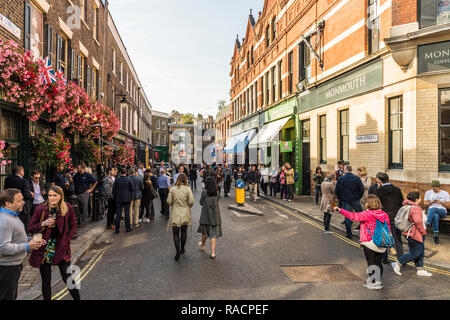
(210, 220)
(318, 178)
(372, 252)
(180, 200)
(14, 243)
(391, 199)
(415, 237)
(367, 183)
(148, 195)
(273, 180)
(227, 178)
(437, 201)
(264, 173)
(349, 190)
(84, 184)
(219, 178)
(180, 171)
(17, 181)
(123, 189)
(39, 190)
(163, 189)
(108, 183)
(57, 224)
(193, 177)
(253, 181)
(135, 207)
(289, 174)
(328, 201)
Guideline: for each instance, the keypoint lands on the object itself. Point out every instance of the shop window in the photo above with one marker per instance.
(433, 12)
(34, 31)
(374, 26)
(323, 139)
(395, 132)
(444, 129)
(344, 135)
(9, 131)
(306, 131)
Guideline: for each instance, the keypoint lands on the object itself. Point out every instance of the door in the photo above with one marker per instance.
(306, 165)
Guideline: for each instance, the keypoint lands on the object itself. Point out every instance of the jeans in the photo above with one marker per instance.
(163, 194)
(273, 189)
(135, 209)
(9, 281)
(434, 215)
(326, 220)
(193, 184)
(126, 207)
(373, 259)
(318, 193)
(46, 275)
(283, 191)
(416, 253)
(83, 207)
(227, 186)
(356, 205)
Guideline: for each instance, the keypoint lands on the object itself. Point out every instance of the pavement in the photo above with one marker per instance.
(30, 278)
(438, 256)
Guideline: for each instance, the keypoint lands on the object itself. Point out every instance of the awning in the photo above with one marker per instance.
(111, 144)
(237, 143)
(268, 133)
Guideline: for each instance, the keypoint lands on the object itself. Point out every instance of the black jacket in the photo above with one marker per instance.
(391, 198)
(373, 189)
(147, 193)
(19, 183)
(253, 177)
(154, 180)
(123, 189)
(193, 174)
(349, 188)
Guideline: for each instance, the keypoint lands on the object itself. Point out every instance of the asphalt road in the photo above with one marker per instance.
(141, 265)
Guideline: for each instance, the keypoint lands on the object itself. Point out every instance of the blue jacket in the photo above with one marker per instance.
(123, 189)
(138, 187)
(349, 188)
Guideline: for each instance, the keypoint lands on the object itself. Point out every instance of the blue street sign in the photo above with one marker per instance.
(240, 184)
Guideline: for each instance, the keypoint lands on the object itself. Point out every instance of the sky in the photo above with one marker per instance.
(181, 49)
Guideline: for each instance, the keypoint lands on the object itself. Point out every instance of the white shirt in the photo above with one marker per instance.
(38, 198)
(442, 196)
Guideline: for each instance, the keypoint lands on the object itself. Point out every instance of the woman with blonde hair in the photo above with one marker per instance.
(55, 221)
(367, 182)
(181, 200)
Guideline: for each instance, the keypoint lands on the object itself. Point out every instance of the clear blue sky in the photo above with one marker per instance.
(181, 49)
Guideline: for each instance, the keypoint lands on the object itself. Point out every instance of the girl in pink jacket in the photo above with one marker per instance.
(415, 237)
(373, 253)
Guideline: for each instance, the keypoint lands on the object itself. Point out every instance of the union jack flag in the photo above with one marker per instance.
(60, 74)
(49, 74)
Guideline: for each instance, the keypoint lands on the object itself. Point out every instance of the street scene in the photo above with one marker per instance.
(254, 150)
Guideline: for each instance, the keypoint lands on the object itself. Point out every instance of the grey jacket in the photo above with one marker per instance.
(210, 210)
(107, 188)
(13, 240)
(138, 188)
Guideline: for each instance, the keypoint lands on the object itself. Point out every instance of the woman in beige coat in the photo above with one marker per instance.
(181, 200)
(328, 200)
(367, 182)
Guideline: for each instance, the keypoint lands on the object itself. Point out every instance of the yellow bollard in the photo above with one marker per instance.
(240, 192)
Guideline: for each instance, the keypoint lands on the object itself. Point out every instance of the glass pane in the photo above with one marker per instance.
(445, 116)
(445, 98)
(394, 122)
(427, 13)
(396, 150)
(393, 106)
(324, 150)
(445, 146)
(345, 148)
(443, 12)
(8, 128)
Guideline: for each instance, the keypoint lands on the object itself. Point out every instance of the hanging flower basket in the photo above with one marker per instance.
(52, 150)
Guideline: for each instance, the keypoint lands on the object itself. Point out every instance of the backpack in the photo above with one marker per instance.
(295, 176)
(382, 237)
(402, 219)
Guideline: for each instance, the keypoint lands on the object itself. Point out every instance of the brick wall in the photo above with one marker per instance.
(404, 11)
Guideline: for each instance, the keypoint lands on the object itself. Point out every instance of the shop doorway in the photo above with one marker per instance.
(306, 165)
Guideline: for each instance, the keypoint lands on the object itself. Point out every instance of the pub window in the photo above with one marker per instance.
(395, 132)
(344, 135)
(291, 71)
(274, 85)
(61, 53)
(323, 139)
(280, 81)
(433, 12)
(267, 36)
(444, 129)
(9, 131)
(374, 26)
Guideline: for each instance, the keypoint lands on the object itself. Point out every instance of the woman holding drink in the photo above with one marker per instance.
(55, 222)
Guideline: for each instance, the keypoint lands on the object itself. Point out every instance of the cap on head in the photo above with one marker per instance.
(435, 184)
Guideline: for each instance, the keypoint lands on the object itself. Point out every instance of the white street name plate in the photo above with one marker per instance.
(8, 25)
(371, 138)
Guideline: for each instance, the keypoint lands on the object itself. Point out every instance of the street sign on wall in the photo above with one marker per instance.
(370, 138)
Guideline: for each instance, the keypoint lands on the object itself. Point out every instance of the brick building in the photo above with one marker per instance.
(160, 136)
(361, 81)
(78, 37)
(222, 123)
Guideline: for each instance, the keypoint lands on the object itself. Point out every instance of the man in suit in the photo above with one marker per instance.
(123, 189)
(349, 190)
(17, 181)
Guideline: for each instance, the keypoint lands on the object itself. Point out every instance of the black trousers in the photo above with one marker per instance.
(9, 281)
(46, 275)
(227, 186)
(179, 242)
(163, 193)
(147, 205)
(264, 188)
(111, 212)
(193, 183)
(373, 259)
(126, 207)
(273, 189)
(290, 191)
(326, 220)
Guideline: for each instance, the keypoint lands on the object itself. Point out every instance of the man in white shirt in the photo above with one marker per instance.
(437, 201)
(37, 187)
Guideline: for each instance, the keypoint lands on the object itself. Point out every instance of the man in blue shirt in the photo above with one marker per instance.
(163, 189)
(180, 171)
(14, 243)
(85, 184)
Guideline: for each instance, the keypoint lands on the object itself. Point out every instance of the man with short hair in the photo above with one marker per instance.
(39, 190)
(14, 243)
(17, 181)
(85, 184)
(340, 170)
(108, 183)
(163, 190)
(253, 181)
(391, 198)
(349, 190)
(180, 171)
(135, 208)
(437, 201)
(123, 189)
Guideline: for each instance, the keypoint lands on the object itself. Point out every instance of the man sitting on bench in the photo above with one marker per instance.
(438, 201)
